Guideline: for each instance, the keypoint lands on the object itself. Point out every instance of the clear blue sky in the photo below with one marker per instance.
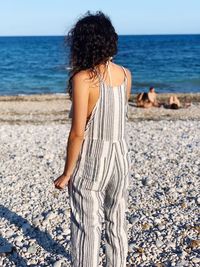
(55, 17)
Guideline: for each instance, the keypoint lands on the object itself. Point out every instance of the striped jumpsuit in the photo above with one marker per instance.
(99, 183)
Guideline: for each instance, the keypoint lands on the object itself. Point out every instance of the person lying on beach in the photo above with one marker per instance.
(143, 101)
(152, 97)
(147, 100)
(174, 103)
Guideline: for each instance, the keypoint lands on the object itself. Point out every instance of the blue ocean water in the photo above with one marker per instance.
(32, 65)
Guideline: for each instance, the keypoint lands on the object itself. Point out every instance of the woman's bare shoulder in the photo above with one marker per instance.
(80, 84)
(82, 76)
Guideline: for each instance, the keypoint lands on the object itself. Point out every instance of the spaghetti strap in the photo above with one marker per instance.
(101, 80)
(109, 73)
(124, 72)
(125, 82)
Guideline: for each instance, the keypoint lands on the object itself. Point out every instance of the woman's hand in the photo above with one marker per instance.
(61, 181)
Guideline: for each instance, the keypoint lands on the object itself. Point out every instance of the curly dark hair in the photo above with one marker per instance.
(92, 41)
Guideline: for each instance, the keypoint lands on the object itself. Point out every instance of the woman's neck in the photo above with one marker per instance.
(104, 66)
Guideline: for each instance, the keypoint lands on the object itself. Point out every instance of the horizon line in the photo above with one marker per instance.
(129, 34)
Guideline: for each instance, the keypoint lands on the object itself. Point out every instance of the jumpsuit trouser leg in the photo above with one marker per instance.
(86, 227)
(116, 199)
(88, 210)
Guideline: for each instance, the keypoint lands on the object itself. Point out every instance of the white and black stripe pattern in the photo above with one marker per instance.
(98, 186)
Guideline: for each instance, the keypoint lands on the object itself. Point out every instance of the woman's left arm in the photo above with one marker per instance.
(80, 96)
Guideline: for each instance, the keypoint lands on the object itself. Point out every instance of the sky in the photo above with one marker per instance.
(56, 17)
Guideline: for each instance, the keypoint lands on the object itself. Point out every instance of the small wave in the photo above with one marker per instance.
(62, 94)
(61, 67)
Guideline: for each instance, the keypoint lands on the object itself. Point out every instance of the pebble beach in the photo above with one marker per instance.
(164, 184)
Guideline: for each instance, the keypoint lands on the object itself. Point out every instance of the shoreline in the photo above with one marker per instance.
(54, 108)
(193, 97)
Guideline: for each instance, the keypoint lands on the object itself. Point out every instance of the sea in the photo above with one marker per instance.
(39, 65)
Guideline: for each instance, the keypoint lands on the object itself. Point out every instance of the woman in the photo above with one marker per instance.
(97, 162)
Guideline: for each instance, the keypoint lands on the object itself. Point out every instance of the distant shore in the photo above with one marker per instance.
(54, 108)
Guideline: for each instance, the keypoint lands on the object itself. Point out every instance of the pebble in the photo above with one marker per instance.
(36, 222)
(51, 215)
(137, 176)
(19, 244)
(9, 233)
(32, 249)
(161, 227)
(198, 200)
(179, 264)
(19, 238)
(133, 219)
(144, 257)
(24, 249)
(147, 181)
(157, 221)
(57, 263)
(159, 243)
(171, 244)
(132, 247)
(196, 260)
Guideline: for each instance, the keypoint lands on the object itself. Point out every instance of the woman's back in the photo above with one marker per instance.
(109, 99)
(117, 74)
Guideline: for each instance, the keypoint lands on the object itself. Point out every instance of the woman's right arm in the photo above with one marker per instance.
(80, 96)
